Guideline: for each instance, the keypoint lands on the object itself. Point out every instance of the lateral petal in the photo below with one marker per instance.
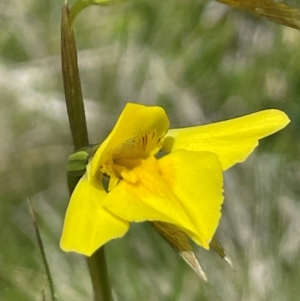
(87, 224)
(134, 120)
(183, 188)
(232, 140)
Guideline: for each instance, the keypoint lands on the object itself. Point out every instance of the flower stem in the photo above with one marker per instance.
(80, 5)
(75, 107)
(99, 275)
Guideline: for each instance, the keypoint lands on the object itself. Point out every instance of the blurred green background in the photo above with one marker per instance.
(202, 61)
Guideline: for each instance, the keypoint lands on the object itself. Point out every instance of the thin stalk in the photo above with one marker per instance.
(75, 107)
(80, 5)
(100, 280)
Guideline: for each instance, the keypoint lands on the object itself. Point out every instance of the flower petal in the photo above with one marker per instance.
(87, 225)
(183, 188)
(232, 140)
(134, 120)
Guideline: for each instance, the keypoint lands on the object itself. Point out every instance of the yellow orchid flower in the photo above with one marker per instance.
(183, 187)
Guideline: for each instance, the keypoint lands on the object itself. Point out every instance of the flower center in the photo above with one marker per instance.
(129, 155)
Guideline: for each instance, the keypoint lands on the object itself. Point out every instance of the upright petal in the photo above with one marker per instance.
(232, 140)
(87, 225)
(134, 120)
(183, 188)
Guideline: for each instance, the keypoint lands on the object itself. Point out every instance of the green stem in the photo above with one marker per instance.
(75, 107)
(100, 281)
(80, 5)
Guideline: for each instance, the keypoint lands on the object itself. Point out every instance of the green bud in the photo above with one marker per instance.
(77, 162)
(79, 159)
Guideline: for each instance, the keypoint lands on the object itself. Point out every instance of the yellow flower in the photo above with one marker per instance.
(182, 187)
